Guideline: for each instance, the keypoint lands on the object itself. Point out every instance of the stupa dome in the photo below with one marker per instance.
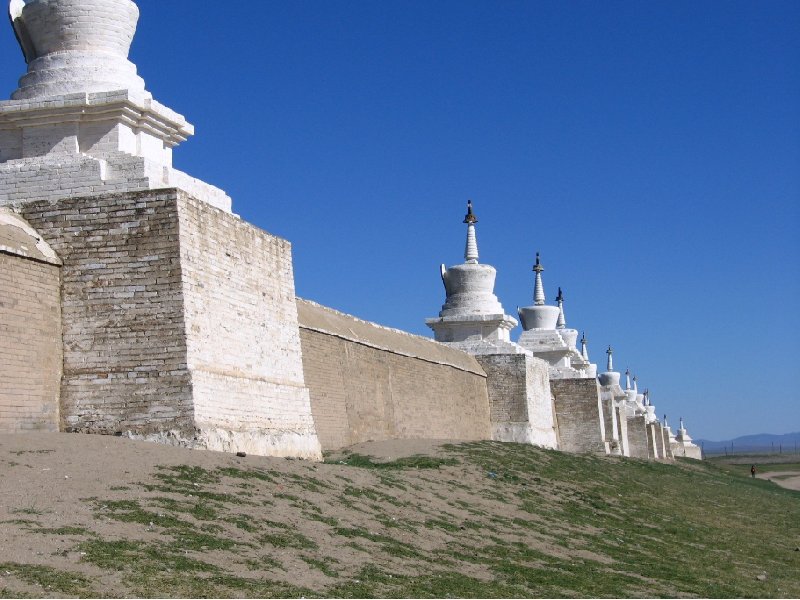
(538, 316)
(75, 46)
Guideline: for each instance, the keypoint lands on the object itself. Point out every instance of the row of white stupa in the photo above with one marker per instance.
(472, 319)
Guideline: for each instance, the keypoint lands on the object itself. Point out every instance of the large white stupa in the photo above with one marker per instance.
(472, 317)
(81, 121)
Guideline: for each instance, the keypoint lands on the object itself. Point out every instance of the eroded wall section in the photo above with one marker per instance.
(369, 382)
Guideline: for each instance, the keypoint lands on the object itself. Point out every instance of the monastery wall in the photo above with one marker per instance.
(520, 401)
(637, 437)
(667, 445)
(30, 330)
(581, 425)
(369, 382)
(243, 342)
(123, 328)
(610, 424)
(622, 423)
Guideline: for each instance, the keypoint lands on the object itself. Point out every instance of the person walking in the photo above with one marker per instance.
(753, 471)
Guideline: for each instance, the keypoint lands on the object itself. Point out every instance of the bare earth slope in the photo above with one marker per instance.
(104, 516)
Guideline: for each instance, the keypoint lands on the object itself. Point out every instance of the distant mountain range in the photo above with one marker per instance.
(761, 442)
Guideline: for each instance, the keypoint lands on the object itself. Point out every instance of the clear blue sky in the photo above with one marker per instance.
(649, 150)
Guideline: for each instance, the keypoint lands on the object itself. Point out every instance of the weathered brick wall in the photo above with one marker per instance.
(622, 424)
(610, 425)
(652, 443)
(520, 401)
(373, 383)
(123, 327)
(637, 437)
(658, 435)
(667, 445)
(30, 353)
(243, 340)
(581, 424)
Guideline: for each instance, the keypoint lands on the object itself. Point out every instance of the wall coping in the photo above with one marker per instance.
(322, 319)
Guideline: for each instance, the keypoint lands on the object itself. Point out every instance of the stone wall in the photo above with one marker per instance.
(179, 324)
(122, 307)
(369, 382)
(610, 424)
(520, 401)
(637, 437)
(667, 445)
(652, 447)
(581, 424)
(30, 353)
(622, 423)
(243, 342)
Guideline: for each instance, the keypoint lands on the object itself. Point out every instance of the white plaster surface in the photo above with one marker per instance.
(81, 122)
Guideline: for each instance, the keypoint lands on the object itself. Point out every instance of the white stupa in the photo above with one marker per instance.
(546, 335)
(683, 445)
(81, 121)
(472, 317)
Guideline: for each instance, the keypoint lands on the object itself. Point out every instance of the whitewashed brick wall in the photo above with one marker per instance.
(243, 342)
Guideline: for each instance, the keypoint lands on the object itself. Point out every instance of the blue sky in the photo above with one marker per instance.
(649, 150)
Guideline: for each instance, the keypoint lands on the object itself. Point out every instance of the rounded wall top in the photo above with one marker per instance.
(85, 25)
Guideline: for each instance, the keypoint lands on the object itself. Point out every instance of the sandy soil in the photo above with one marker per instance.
(60, 480)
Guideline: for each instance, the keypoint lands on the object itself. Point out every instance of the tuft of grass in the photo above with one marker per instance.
(321, 565)
(288, 539)
(410, 462)
(51, 580)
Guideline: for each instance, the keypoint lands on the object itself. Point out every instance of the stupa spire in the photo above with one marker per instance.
(627, 379)
(562, 322)
(471, 250)
(584, 350)
(610, 363)
(635, 389)
(538, 289)
(666, 425)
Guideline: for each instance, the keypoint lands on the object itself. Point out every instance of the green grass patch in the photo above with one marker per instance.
(49, 579)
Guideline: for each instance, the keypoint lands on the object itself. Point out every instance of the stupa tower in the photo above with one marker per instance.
(174, 320)
(542, 326)
(472, 317)
(81, 121)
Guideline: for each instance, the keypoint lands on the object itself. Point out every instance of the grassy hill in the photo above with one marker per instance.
(100, 516)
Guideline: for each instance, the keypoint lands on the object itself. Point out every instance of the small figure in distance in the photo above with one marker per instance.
(753, 471)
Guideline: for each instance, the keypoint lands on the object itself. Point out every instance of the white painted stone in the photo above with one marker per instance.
(472, 317)
(81, 122)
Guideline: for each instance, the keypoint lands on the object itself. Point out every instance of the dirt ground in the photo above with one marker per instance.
(55, 481)
(787, 479)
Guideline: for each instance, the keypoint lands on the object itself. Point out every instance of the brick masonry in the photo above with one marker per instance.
(581, 424)
(174, 331)
(243, 342)
(520, 400)
(637, 437)
(123, 326)
(30, 353)
(369, 382)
